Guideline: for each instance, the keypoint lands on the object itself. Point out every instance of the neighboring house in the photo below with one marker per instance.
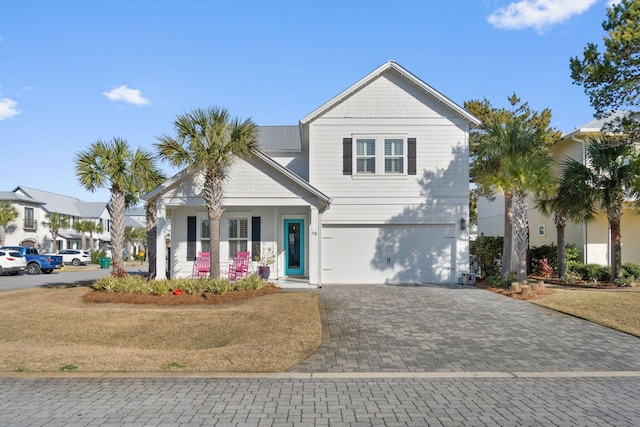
(371, 187)
(26, 228)
(33, 206)
(591, 238)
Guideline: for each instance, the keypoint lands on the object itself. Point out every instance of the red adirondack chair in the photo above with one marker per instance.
(240, 266)
(202, 266)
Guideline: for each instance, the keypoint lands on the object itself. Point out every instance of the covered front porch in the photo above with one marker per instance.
(290, 233)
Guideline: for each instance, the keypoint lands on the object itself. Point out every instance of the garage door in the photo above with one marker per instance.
(387, 254)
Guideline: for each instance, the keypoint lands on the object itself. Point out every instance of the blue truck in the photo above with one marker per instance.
(37, 263)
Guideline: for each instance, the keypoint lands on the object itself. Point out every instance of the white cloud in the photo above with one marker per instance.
(537, 14)
(124, 94)
(8, 108)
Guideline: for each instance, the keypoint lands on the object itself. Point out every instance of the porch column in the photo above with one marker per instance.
(314, 247)
(161, 241)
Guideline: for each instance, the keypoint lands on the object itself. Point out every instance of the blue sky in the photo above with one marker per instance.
(75, 71)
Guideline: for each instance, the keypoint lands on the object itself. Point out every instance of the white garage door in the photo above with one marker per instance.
(388, 254)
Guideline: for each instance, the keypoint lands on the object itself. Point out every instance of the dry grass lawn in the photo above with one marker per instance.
(618, 309)
(54, 329)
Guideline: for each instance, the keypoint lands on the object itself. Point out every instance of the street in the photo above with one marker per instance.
(70, 275)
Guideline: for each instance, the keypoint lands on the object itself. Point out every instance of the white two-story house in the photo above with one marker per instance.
(33, 205)
(371, 187)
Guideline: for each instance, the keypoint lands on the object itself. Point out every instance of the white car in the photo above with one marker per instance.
(12, 262)
(75, 256)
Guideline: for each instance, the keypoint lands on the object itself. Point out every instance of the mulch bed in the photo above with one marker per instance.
(532, 294)
(94, 296)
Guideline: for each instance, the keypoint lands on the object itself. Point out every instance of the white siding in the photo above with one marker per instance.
(245, 181)
(297, 163)
(441, 181)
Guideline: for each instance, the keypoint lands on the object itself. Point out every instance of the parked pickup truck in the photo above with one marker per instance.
(36, 262)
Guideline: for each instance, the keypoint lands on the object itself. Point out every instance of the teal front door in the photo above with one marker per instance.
(294, 247)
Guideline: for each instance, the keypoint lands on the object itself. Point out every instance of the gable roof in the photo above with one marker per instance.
(391, 65)
(91, 209)
(180, 176)
(61, 204)
(10, 196)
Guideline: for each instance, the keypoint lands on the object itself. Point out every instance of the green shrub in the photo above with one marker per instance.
(630, 269)
(499, 283)
(571, 253)
(592, 272)
(159, 287)
(605, 273)
(488, 253)
(96, 255)
(135, 283)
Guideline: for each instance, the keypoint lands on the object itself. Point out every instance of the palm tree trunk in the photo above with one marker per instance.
(3, 235)
(521, 233)
(116, 210)
(561, 222)
(152, 229)
(508, 235)
(616, 247)
(213, 193)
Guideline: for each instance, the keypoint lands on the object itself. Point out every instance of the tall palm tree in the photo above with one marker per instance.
(557, 207)
(497, 140)
(55, 222)
(606, 181)
(516, 163)
(111, 164)
(144, 183)
(93, 227)
(8, 214)
(78, 227)
(207, 141)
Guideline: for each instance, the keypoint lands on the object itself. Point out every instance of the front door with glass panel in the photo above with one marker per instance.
(294, 247)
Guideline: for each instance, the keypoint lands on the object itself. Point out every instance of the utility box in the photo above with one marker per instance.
(468, 278)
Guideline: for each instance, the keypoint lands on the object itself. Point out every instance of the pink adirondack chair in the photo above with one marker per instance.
(202, 266)
(240, 266)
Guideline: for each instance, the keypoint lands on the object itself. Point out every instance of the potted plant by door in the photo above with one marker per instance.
(265, 259)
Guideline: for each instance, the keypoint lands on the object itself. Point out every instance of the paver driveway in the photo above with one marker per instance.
(432, 328)
(392, 355)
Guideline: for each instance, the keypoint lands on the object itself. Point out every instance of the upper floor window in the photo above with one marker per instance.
(380, 155)
(394, 155)
(29, 221)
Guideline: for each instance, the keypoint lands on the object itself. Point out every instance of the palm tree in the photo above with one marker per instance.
(111, 164)
(92, 227)
(79, 227)
(208, 141)
(144, 183)
(516, 163)
(608, 178)
(56, 222)
(559, 207)
(497, 140)
(8, 214)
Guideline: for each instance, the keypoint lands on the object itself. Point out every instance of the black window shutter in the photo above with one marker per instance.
(411, 156)
(347, 153)
(255, 236)
(191, 238)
